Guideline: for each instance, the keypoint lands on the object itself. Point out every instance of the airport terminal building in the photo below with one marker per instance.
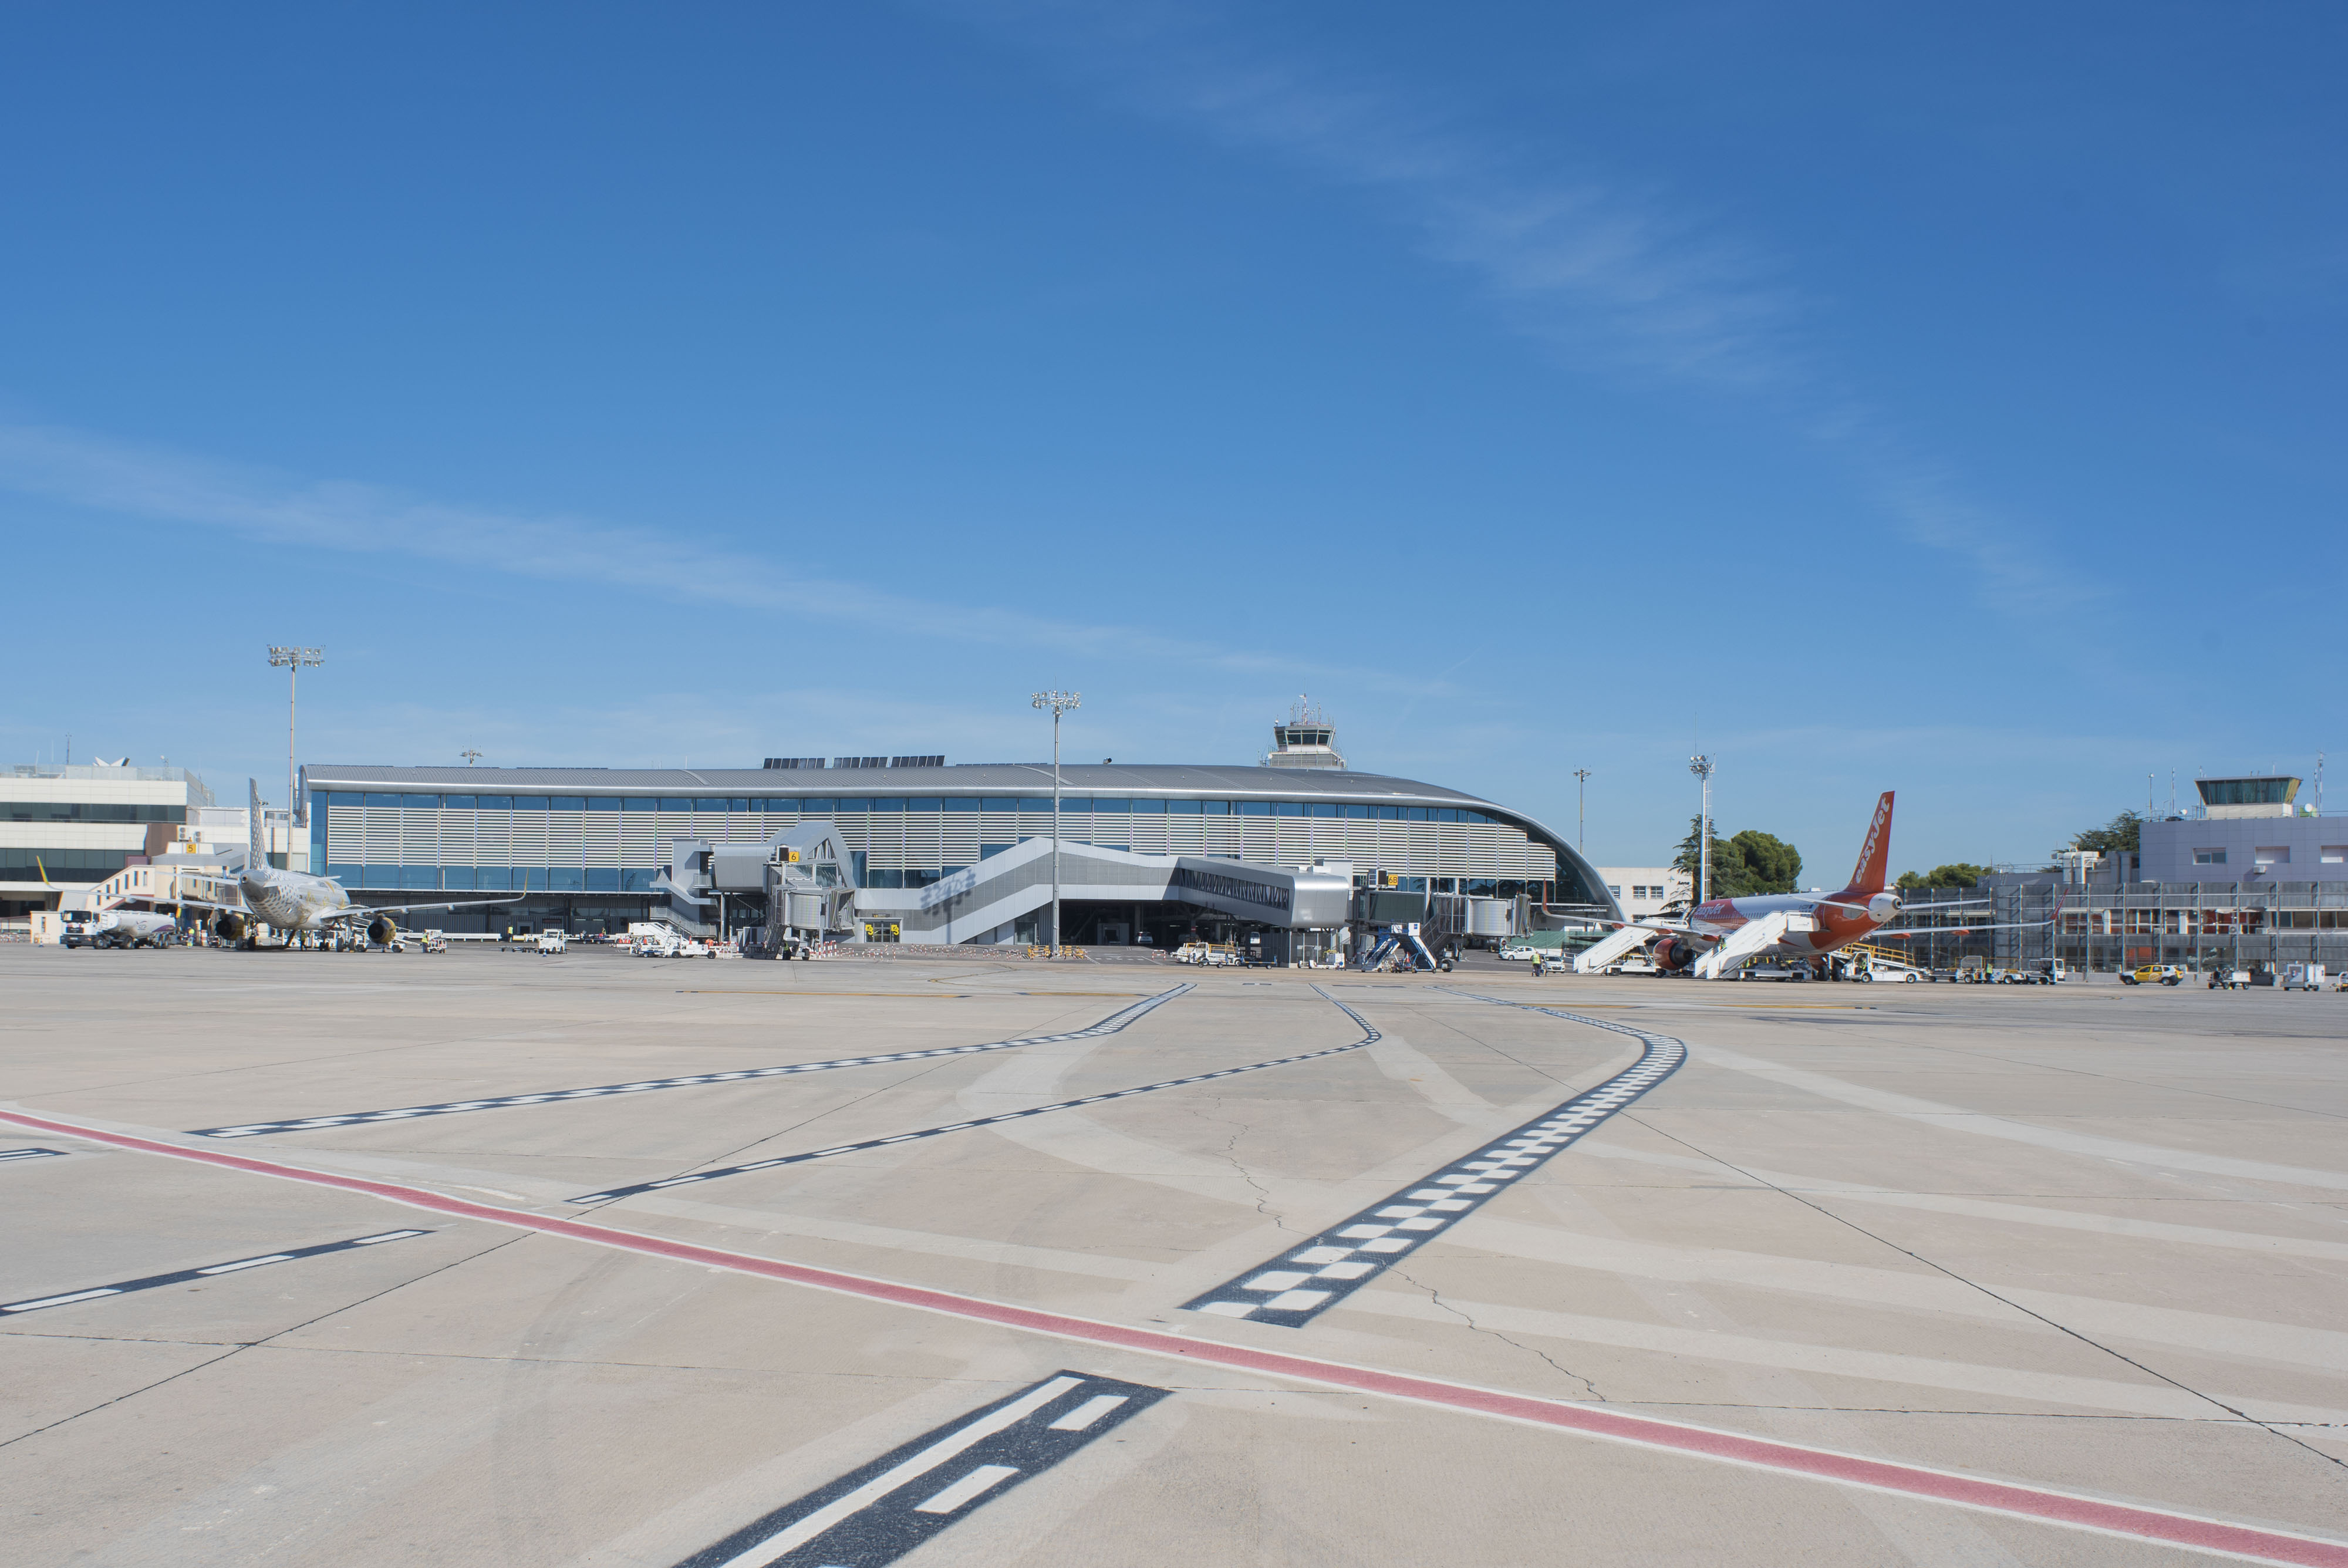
(950, 854)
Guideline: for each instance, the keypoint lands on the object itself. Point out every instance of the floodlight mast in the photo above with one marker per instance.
(1059, 702)
(1582, 812)
(291, 660)
(1701, 766)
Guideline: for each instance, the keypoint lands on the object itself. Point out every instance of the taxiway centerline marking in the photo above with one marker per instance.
(1370, 1036)
(869, 1517)
(2019, 1499)
(183, 1276)
(1108, 1025)
(1302, 1282)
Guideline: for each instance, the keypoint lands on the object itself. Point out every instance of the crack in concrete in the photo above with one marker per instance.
(2056, 1323)
(1434, 1296)
(1229, 1154)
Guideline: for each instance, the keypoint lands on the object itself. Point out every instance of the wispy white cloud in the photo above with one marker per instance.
(119, 478)
(1615, 272)
(116, 477)
(1588, 263)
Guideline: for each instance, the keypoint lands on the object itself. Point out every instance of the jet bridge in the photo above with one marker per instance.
(794, 889)
(978, 902)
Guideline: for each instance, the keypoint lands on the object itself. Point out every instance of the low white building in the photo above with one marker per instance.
(1643, 890)
(66, 828)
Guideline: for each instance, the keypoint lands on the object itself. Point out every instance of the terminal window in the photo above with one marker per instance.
(2208, 857)
(2334, 854)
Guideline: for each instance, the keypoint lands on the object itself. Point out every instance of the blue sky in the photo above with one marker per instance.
(1870, 398)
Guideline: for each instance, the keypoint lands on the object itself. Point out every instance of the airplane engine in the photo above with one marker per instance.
(229, 927)
(381, 931)
(1673, 953)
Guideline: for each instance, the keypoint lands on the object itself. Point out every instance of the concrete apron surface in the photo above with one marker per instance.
(1470, 1268)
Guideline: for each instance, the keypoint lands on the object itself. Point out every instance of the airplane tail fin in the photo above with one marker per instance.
(256, 849)
(1875, 854)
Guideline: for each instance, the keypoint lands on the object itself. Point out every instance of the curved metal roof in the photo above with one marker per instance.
(965, 779)
(1134, 780)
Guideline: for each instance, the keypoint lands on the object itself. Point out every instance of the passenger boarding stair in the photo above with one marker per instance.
(1753, 937)
(1399, 947)
(1597, 956)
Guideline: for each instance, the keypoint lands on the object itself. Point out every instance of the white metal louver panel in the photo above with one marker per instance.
(639, 840)
(419, 836)
(379, 835)
(457, 837)
(493, 838)
(345, 835)
(600, 836)
(566, 837)
(528, 843)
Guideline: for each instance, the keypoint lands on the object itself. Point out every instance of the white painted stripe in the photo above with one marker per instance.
(984, 1478)
(60, 1300)
(791, 1537)
(1085, 1414)
(246, 1264)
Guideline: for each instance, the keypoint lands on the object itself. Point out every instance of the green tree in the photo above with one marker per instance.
(2124, 831)
(1727, 863)
(1751, 862)
(1771, 864)
(1959, 874)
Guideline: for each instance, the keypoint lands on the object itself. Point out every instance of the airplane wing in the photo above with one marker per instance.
(1959, 930)
(370, 911)
(1661, 928)
(199, 903)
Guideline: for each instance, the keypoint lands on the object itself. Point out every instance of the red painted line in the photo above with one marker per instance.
(1820, 1464)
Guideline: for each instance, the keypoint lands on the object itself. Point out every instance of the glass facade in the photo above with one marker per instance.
(88, 811)
(424, 840)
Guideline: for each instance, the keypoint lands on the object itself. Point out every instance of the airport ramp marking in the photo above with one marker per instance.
(879, 1512)
(183, 1276)
(1370, 1036)
(1304, 1281)
(8, 1154)
(2019, 1499)
(1108, 1025)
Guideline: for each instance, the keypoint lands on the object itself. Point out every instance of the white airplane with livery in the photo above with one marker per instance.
(296, 900)
(1721, 932)
(122, 928)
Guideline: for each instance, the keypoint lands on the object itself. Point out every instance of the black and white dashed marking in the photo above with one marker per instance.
(1369, 1037)
(1302, 1283)
(876, 1514)
(1108, 1025)
(156, 1282)
(8, 1154)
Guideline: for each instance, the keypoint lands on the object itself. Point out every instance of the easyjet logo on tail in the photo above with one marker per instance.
(1867, 875)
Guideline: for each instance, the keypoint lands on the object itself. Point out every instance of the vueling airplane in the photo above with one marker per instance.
(1723, 931)
(296, 900)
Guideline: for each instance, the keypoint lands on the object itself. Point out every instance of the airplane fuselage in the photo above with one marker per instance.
(291, 901)
(1839, 918)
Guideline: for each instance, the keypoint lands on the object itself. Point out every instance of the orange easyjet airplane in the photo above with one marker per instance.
(1814, 922)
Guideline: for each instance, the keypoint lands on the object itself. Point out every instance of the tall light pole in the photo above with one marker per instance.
(1701, 766)
(1059, 702)
(1582, 812)
(292, 660)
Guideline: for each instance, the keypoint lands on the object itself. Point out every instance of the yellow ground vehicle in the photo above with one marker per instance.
(2152, 974)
